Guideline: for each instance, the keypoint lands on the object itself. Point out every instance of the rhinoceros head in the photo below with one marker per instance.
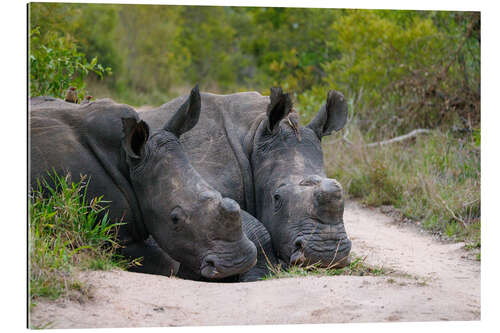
(300, 206)
(187, 218)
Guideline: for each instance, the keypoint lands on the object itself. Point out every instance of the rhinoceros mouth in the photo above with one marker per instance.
(297, 258)
(221, 265)
(212, 270)
(209, 270)
(322, 246)
(337, 260)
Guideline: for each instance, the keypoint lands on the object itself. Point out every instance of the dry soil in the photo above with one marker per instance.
(426, 280)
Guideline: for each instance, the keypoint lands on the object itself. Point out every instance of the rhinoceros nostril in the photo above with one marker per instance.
(299, 244)
(210, 262)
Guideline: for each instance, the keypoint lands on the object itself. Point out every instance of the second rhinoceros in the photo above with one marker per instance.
(252, 149)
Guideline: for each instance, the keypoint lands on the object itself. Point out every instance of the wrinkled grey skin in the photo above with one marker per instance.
(246, 147)
(149, 180)
(258, 234)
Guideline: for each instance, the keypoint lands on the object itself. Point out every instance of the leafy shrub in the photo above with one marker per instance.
(408, 71)
(55, 64)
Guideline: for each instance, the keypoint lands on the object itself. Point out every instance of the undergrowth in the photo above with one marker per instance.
(68, 232)
(433, 178)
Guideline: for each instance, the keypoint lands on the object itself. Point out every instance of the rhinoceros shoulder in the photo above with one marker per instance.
(76, 116)
(241, 109)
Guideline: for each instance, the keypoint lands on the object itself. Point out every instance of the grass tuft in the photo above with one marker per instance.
(67, 233)
(357, 267)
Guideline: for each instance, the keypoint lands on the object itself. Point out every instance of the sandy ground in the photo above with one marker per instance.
(428, 280)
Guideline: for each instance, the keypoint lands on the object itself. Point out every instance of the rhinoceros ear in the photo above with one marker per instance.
(187, 116)
(135, 135)
(279, 107)
(331, 117)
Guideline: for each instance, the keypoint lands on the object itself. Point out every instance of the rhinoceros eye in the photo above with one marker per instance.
(277, 202)
(177, 216)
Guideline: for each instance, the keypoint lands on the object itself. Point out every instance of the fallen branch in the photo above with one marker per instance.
(399, 138)
(385, 142)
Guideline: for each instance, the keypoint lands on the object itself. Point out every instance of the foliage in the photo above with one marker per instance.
(290, 44)
(400, 65)
(56, 64)
(388, 60)
(67, 232)
(211, 44)
(92, 26)
(435, 180)
(153, 57)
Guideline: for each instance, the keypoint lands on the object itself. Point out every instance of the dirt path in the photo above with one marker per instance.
(430, 281)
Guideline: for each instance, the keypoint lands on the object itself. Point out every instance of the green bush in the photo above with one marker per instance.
(55, 64)
(406, 71)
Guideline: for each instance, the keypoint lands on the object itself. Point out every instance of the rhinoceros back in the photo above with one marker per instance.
(83, 140)
(55, 137)
(215, 145)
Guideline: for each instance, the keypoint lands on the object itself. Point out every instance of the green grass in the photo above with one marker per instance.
(433, 179)
(357, 267)
(67, 234)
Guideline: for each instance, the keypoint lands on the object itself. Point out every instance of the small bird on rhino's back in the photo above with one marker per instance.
(71, 95)
(87, 99)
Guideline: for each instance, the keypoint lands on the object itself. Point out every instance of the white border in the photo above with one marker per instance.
(13, 164)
